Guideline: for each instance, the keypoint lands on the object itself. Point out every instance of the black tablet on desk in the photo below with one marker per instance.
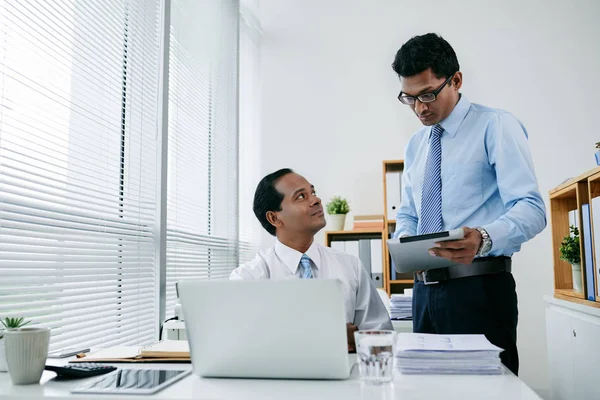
(132, 381)
(411, 253)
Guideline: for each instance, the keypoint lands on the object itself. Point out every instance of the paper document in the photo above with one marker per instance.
(420, 353)
(430, 342)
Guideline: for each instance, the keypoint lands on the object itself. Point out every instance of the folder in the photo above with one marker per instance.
(364, 253)
(586, 235)
(174, 351)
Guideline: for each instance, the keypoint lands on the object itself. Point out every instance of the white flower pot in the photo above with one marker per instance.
(576, 270)
(3, 367)
(26, 353)
(337, 222)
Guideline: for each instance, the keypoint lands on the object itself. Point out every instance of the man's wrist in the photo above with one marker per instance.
(486, 242)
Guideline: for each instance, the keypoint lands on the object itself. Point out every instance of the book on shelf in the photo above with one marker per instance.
(369, 222)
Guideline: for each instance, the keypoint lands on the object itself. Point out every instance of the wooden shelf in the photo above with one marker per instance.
(570, 182)
(404, 280)
(359, 234)
(569, 293)
(390, 166)
(564, 199)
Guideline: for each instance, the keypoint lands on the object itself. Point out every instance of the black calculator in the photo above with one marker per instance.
(79, 370)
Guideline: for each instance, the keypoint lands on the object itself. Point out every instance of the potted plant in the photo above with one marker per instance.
(8, 323)
(571, 253)
(337, 208)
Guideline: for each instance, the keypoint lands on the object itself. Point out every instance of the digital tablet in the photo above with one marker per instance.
(411, 253)
(132, 381)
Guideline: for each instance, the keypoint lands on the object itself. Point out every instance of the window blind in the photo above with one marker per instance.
(202, 195)
(78, 132)
(249, 131)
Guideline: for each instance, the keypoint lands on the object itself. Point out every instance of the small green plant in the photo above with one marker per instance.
(13, 323)
(338, 205)
(569, 247)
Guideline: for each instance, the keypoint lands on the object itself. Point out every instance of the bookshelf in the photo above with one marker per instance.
(402, 281)
(568, 197)
(355, 235)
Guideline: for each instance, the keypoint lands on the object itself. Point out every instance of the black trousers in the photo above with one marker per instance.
(483, 304)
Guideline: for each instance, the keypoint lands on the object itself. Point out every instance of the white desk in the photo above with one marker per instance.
(404, 387)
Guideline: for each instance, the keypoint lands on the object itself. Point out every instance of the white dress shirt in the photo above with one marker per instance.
(362, 303)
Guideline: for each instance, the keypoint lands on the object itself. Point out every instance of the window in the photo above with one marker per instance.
(80, 139)
(202, 215)
(78, 112)
(249, 143)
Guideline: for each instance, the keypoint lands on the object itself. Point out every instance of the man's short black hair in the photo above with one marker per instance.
(267, 198)
(423, 52)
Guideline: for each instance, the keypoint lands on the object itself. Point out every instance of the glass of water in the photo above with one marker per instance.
(375, 353)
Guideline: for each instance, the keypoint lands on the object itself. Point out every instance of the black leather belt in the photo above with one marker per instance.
(479, 266)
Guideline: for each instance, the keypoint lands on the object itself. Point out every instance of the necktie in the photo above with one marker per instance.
(305, 263)
(431, 196)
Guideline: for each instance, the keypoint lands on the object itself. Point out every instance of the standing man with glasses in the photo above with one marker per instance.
(469, 166)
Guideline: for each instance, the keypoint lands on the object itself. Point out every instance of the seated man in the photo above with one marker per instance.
(288, 208)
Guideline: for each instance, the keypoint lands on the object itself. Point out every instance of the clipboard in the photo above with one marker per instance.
(411, 253)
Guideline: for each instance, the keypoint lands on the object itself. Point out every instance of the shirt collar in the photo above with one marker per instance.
(453, 121)
(291, 257)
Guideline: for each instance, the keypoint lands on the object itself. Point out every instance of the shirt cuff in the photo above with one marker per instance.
(498, 231)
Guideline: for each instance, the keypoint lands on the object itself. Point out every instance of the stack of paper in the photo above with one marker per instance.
(419, 353)
(401, 306)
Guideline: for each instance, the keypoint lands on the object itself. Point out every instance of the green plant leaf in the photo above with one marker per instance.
(570, 248)
(13, 323)
(338, 205)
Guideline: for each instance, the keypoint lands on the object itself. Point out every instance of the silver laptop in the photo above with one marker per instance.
(291, 329)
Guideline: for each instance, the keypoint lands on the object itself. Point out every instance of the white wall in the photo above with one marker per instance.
(330, 109)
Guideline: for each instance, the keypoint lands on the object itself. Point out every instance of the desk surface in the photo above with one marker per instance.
(405, 387)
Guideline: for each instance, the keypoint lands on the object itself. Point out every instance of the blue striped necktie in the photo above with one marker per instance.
(305, 264)
(431, 196)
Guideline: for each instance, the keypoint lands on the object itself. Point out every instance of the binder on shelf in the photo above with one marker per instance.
(596, 225)
(573, 218)
(338, 245)
(393, 183)
(352, 248)
(586, 234)
(377, 262)
(364, 253)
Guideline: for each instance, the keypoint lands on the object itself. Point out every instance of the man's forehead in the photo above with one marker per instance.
(422, 82)
(291, 183)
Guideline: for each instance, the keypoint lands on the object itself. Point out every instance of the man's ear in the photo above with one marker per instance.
(273, 219)
(457, 80)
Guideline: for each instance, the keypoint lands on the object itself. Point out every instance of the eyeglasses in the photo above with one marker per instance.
(425, 97)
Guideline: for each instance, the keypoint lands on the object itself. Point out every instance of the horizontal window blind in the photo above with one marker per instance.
(202, 161)
(249, 130)
(78, 132)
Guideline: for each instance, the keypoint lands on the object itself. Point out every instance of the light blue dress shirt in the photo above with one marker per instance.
(488, 178)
